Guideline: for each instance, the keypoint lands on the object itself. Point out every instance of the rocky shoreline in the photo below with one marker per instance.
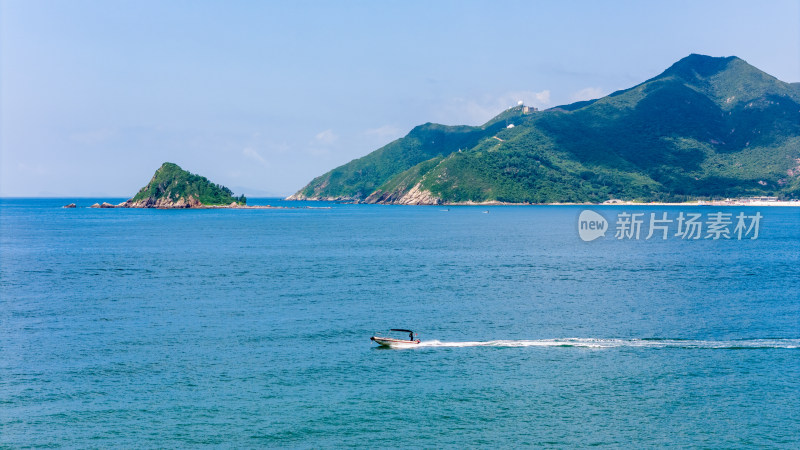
(180, 204)
(423, 200)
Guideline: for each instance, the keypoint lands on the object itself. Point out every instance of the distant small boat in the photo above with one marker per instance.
(486, 212)
(394, 342)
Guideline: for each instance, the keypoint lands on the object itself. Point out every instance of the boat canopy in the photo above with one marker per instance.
(399, 329)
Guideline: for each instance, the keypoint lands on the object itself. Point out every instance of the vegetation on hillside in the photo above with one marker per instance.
(361, 177)
(173, 183)
(705, 127)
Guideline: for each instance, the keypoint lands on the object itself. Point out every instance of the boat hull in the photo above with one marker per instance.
(393, 343)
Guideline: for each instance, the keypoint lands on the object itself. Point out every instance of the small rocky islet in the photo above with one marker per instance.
(174, 188)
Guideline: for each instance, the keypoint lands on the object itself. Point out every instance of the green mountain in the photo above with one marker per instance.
(173, 187)
(705, 127)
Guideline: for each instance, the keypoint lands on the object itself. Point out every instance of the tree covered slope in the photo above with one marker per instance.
(705, 127)
(172, 186)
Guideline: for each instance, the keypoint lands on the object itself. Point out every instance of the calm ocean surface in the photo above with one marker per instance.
(250, 328)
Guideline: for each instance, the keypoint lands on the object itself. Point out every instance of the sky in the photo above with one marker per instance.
(263, 96)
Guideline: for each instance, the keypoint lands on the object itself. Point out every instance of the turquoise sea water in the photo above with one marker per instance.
(250, 328)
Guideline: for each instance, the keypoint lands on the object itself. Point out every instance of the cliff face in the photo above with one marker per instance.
(417, 195)
(163, 203)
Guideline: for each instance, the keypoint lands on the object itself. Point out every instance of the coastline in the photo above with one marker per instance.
(178, 205)
(726, 202)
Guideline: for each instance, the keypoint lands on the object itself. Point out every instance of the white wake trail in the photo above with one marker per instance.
(617, 343)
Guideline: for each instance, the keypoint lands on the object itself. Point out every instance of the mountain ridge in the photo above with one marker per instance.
(705, 127)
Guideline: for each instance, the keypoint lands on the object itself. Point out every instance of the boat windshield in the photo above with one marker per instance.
(410, 333)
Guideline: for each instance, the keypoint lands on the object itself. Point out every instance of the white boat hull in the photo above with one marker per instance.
(394, 343)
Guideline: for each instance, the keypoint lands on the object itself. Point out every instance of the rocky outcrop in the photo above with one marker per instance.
(71, 205)
(299, 196)
(165, 203)
(418, 196)
(382, 197)
(104, 205)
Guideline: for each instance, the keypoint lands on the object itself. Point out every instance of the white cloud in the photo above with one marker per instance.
(588, 93)
(539, 99)
(386, 132)
(478, 111)
(326, 137)
(93, 136)
(318, 151)
(277, 148)
(251, 153)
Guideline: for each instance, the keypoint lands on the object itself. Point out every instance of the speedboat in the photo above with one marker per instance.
(394, 342)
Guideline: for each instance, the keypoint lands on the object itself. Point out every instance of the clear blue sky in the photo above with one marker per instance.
(263, 96)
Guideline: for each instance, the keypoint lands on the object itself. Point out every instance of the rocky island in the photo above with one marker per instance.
(174, 188)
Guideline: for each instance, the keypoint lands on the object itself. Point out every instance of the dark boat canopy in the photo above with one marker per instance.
(398, 329)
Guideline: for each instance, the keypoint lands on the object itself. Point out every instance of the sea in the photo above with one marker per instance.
(251, 328)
